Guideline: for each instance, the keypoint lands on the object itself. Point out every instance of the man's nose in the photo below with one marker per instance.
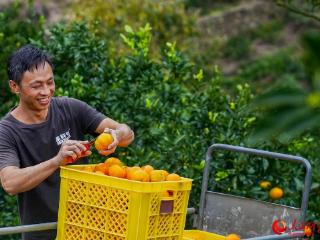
(45, 90)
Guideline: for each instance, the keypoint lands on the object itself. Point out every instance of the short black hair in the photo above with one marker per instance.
(26, 58)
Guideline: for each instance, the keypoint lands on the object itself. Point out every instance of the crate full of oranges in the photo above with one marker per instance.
(112, 201)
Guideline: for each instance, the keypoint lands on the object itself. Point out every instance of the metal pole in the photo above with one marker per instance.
(28, 228)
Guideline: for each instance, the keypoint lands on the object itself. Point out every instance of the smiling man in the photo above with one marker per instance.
(40, 133)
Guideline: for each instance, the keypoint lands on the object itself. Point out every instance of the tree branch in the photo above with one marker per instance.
(298, 11)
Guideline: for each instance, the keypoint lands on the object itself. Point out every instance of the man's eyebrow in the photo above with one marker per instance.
(37, 80)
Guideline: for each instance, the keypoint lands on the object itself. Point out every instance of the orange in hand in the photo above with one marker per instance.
(103, 141)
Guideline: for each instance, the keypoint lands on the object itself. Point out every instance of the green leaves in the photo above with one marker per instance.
(138, 41)
(289, 110)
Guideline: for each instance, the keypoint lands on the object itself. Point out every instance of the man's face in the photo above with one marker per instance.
(37, 88)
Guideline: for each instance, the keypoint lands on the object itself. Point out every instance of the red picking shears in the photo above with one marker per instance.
(87, 145)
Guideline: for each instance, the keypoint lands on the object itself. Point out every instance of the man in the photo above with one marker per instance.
(39, 134)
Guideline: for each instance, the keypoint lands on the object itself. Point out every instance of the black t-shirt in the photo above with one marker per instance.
(25, 145)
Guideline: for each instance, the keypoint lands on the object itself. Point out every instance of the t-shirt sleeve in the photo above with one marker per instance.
(88, 117)
(8, 151)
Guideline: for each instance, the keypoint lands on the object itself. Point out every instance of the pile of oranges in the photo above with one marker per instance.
(115, 168)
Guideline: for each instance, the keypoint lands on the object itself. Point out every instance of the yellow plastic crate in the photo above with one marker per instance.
(201, 235)
(98, 207)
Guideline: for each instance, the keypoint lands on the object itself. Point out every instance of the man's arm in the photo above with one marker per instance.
(124, 134)
(15, 180)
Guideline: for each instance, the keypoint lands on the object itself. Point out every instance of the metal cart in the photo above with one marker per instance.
(251, 219)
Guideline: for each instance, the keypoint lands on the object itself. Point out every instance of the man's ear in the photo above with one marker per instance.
(14, 87)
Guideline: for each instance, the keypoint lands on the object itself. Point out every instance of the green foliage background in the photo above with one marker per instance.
(176, 110)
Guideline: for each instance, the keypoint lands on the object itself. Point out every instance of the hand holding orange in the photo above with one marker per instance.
(103, 141)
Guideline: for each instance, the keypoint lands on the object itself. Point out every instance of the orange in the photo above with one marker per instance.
(265, 184)
(307, 231)
(165, 194)
(157, 176)
(101, 167)
(232, 236)
(276, 193)
(147, 168)
(103, 141)
(113, 160)
(88, 168)
(165, 172)
(117, 171)
(173, 177)
(140, 175)
(131, 170)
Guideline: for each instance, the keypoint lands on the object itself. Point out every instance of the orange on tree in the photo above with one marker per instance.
(173, 177)
(103, 141)
(276, 193)
(117, 171)
(232, 236)
(265, 184)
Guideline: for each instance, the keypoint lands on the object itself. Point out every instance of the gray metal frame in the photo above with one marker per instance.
(250, 151)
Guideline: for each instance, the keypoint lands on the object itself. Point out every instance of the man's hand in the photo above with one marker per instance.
(71, 150)
(122, 136)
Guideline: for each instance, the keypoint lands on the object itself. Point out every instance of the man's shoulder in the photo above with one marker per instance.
(68, 105)
(6, 124)
(6, 119)
(63, 100)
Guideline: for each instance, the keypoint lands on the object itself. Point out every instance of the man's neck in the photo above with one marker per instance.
(29, 116)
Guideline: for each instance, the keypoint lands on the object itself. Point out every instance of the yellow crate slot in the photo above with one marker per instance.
(94, 207)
